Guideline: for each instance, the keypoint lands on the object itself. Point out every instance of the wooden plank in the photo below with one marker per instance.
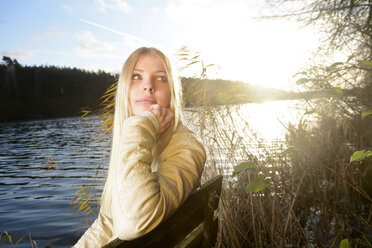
(208, 220)
(194, 239)
(174, 229)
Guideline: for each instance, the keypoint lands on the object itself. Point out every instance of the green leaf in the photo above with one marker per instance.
(336, 64)
(357, 156)
(368, 154)
(302, 81)
(337, 90)
(336, 93)
(243, 166)
(360, 155)
(366, 113)
(288, 151)
(257, 184)
(345, 243)
(366, 63)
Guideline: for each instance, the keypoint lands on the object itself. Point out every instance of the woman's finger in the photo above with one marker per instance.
(163, 115)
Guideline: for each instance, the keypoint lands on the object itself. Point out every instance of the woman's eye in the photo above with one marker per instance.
(136, 77)
(163, 78)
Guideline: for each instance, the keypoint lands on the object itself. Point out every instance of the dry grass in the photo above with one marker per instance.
(314, 199)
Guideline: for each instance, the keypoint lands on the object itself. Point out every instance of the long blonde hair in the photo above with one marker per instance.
(123, 111)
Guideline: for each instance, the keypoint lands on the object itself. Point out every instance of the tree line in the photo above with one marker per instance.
(48, 91)
(28, 92)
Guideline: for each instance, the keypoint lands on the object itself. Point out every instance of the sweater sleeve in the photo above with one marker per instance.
(98, 233)
(141, 199)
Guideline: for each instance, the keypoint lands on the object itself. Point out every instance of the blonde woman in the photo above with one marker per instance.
(155, 161)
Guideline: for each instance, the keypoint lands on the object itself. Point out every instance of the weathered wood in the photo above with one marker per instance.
(208, 220)
(195, 238)
(192, 225)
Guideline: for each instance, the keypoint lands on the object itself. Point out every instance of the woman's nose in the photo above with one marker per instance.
(148, 85)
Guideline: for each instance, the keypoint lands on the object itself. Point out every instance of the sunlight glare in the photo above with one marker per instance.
(270, 119)
(259, 52)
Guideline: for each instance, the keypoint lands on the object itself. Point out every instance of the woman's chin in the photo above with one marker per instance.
(139, 111)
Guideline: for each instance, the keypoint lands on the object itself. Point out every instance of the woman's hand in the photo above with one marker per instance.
(164, 116)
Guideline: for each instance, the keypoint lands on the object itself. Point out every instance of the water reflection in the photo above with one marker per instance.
(237, 133)
(36, 200)
(268, 118)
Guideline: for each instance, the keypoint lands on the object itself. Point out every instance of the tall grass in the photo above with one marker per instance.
(315, 196)
(7, 238)
(314, 199)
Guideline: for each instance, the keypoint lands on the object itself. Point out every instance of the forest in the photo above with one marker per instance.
(48, 91)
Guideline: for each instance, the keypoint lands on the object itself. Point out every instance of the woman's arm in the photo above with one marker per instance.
(97, 235)
(141, 199)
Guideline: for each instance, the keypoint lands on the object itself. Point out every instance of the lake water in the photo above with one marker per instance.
(35, 202)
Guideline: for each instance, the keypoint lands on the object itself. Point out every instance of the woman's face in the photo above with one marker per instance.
(149, 85)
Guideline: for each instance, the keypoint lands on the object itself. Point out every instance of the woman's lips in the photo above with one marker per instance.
(146, 100)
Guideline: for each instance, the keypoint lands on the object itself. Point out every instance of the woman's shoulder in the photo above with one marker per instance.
(183, 131)
(183, 136)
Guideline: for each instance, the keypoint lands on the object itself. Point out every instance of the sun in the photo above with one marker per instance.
(265, 52)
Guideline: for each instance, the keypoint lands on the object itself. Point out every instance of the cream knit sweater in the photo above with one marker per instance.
(144, 192)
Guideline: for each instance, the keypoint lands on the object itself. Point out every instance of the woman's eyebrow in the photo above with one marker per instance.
(140, 70)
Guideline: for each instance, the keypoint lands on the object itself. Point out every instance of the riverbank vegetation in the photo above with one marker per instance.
(320, 188)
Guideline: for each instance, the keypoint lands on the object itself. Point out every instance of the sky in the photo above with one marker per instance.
(100, 35)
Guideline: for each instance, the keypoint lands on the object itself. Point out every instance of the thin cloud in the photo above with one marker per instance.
(104, 5)
(89, 43)
(20, 53)
(2, 21)
(134, 39)
(66, 8)
(52, 33)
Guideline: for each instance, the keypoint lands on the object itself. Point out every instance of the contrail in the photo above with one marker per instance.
(149, 43)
